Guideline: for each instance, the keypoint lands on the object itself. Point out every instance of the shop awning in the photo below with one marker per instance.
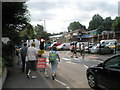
(84, 36)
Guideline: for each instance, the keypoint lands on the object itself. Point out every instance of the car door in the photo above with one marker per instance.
(111, 75)
(106, 49)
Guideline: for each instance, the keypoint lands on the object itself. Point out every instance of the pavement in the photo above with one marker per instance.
(17, 79)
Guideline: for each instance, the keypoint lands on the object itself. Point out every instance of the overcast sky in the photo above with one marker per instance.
(58, 14)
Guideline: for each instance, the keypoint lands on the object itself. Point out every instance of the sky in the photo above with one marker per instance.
(56, 15)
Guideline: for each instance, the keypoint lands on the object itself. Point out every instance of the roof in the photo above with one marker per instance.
(56, 36)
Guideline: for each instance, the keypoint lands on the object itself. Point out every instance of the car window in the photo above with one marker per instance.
(113, 63)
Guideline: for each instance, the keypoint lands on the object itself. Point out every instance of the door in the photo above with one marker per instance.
(112, 72)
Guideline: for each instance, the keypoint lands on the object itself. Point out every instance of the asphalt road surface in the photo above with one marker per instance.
(71, 72)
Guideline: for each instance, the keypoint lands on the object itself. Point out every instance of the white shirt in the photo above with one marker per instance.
(31, 53)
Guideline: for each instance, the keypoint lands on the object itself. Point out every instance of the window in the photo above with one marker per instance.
(113, 63)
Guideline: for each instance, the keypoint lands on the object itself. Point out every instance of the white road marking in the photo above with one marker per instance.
(67, 59)
(71, 63)
(77, 59)
(86, 66)
(62, 83)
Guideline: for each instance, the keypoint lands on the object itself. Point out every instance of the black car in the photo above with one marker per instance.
(106, 74)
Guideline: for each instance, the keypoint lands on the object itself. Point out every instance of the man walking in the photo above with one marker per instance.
(53, 59)
(23, 53)
(32, 60)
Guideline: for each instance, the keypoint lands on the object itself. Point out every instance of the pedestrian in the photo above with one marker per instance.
(32, 60)
(17, 50)
(74, 49)
(82, 51)
(53, 60)
(23, 53)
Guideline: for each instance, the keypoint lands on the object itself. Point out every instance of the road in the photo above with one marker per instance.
(71, 72)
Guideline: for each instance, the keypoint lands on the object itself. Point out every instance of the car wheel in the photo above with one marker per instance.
(91, 81)
(111, 51)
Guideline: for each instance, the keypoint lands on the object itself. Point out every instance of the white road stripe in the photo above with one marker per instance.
(77, 59)
(62, 83)
(67, 59)
(86, 66)
(71, 63)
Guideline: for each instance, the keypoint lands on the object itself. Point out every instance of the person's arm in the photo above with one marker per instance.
(58, 57)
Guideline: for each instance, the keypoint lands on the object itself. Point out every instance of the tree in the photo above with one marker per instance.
(96, 22)
(75, 25)
(14, 19)
(107, 24)
(116, 24)
(41, 33)
(27, 33)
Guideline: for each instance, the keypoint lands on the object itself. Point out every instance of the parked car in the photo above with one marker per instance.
(54, 44)
(106, 74)
(88, 47)
(47, 46)
(78, 45)
(101, 49)
(113, 46)
(63, 46)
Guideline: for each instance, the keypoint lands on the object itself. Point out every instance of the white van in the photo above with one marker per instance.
(107, 42)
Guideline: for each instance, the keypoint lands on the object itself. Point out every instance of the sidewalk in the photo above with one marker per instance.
(17, 79)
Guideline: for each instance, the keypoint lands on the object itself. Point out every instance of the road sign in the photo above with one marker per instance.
(41, 63)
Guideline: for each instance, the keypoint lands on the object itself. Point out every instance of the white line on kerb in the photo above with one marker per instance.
(86, 66)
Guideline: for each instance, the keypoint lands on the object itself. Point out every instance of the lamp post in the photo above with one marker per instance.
(44, 24)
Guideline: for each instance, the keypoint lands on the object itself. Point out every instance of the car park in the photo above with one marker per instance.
(106, 74)
(101, 49)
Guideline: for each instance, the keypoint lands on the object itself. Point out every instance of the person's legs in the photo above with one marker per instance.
(23, 63)
(28, 69)
(33, 69)
(53, 67)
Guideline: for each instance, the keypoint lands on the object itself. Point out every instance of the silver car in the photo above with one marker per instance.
(101, 49)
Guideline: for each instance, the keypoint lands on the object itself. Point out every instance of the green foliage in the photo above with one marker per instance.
(27, 33)
(75, 25)
(116, 24)
(107, 24)
(8, 52)
(96, 22)
(41, 33)
(14, 19)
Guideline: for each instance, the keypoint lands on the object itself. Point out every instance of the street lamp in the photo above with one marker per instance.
(44, 25)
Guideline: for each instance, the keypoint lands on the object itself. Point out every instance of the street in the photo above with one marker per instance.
(71, 72)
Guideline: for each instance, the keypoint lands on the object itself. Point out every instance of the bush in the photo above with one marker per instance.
(2, 66)
(7, 54)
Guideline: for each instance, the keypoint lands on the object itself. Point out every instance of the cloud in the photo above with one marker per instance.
(60, 13)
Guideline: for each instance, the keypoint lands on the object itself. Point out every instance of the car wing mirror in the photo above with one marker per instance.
(100, 65)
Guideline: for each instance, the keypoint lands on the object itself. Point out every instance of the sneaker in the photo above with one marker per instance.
(33, 77)
(28, 76)
(53, 78)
